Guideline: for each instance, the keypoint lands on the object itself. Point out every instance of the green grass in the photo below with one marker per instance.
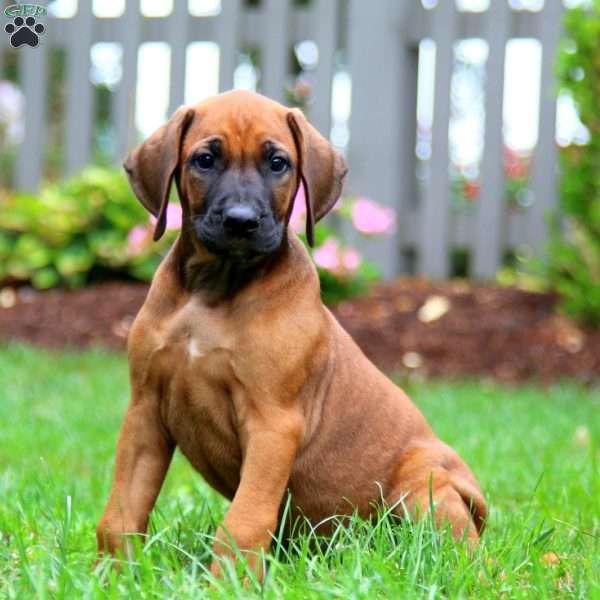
(534, 450)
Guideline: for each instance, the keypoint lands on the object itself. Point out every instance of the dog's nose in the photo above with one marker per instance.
(240, 220)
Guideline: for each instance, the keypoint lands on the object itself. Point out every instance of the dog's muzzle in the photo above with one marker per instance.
(239, 230)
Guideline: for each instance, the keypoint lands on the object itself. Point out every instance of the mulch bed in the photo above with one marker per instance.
(439, 329)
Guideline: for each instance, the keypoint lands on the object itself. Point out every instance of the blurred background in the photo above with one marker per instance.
(455, 117)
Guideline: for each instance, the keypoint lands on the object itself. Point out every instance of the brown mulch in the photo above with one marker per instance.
(411, 325)
(505, 333)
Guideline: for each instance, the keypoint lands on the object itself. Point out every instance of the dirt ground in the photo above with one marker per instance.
(438, 329)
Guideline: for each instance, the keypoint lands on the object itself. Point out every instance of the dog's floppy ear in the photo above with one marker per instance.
(152, 165)
(321, 169)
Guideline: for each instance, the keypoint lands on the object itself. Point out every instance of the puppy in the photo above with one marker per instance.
(235, 360)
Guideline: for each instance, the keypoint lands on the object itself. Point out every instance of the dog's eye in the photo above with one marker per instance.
(278, 164)
(205, 161)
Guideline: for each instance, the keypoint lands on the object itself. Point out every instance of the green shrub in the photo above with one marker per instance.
(573, 265)
(74, 232)
(91, 227)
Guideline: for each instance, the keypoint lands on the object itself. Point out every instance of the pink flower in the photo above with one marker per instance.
(173, 216)
(371, 218)
(351, 259)
(298, 215)
(331, 256)
(327, 255)
(137, 238)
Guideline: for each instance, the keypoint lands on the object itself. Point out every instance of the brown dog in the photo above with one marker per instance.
(234, 358)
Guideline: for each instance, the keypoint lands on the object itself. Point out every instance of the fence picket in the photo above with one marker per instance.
(376, 121)
(79, 97)
(544, 177)
(435, 206)
(325, 19)
(491, 208)
(33, 65)
(177, 38)
(228, 34)
(275, 48)
(124, 105)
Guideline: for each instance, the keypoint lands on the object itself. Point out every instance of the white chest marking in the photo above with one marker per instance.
(193, 349)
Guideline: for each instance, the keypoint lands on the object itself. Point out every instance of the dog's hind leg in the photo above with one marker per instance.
(143, 457)
(437, 474)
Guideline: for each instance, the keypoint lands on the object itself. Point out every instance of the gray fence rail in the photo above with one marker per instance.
(379, 41)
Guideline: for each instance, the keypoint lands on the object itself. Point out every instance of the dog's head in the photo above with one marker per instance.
(238, 159)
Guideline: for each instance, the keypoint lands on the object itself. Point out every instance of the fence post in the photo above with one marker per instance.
(544, 177)
(491, 206)
(382, 68)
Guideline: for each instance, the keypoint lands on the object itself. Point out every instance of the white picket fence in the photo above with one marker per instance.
(380, 40)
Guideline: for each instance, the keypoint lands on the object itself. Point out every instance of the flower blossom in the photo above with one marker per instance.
(332, 257)
(298, 215)
(173, 220)
(351, 259)
(327, 255)
(371, 218)
(137, 238)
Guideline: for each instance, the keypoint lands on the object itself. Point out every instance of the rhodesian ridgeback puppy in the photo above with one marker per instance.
(234, 358)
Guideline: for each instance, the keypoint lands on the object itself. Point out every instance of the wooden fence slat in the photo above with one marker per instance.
(33, 68)
(124, 101)
(325, 27)
(435, 205)
(79, 100)
(491, 205)
(228, 38)
(177, 37)
(275, 48)
(375, 150)
(544, 177)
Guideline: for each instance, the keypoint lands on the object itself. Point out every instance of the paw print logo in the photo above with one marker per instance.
(24, 31)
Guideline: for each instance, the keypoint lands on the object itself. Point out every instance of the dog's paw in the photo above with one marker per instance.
(24, 31)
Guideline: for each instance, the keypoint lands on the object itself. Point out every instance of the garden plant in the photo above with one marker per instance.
(573, 262)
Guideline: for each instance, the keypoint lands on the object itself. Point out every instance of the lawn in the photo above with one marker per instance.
(535, 451)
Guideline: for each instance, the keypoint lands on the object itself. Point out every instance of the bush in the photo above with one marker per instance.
(91, 227)
(573, 265)
(74, 232)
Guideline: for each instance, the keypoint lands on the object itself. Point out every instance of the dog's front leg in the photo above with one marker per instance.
(269, 446)
(142, 459)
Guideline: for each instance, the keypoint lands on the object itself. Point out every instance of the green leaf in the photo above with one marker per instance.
(45, 278)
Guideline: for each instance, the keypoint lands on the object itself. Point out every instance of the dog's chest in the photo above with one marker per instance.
(197, 403)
